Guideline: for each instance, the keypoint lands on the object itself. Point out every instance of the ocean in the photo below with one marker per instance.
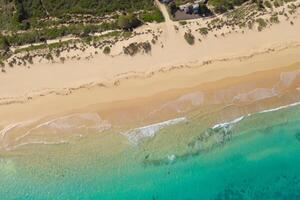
(254, 156)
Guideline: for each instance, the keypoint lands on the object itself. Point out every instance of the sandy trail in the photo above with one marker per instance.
(169, 27)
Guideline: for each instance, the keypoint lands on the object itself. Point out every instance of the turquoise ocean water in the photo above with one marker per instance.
(255, 157)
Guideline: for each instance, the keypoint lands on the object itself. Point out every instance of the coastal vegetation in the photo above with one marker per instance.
(182, 23)
(34, 25)
(222, 6)
(23, 14)
(261, 24)
(152, 16)
(134, 48)
(190, 38)
(32, 31)
(128, 22)
(203, 31)
(4, 44)
(274, 19)
(106, 50)
(59, 15)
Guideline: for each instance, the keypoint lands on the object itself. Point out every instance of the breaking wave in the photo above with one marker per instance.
(236, 120)
(137, 134)
(228, 124)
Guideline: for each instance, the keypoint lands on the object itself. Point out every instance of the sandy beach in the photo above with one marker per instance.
(116, 86)
(138, 101)
(240, 54)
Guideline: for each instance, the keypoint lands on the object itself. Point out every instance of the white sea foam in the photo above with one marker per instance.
(171, 158)
(280, 107)
(228, 124)
(135, 135)
(35, 142)
(80, 123)
(10, 127)
(37, 132)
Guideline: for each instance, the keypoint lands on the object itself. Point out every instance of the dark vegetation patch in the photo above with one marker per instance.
(128, 22)
(222, 6)
(134, 48)
(190, 38)
(25, 14)
(106, 50)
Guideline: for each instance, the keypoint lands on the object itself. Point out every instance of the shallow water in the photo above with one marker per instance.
(252, 157)
(237, 142)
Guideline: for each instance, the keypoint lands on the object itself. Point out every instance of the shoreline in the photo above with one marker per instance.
(118, 78)
(149, 84)
(130, 106)
(140, 129)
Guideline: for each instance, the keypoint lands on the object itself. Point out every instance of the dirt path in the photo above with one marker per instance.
(164, 11)
(170, 32)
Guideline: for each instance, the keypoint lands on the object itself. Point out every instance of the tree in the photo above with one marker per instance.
(204, 10)
(4, 44)
(172, 8)
(128, 22)
(20, 13)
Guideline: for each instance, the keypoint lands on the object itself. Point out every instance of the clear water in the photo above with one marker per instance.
(258, 159)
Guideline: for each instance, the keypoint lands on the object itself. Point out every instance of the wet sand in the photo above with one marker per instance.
(139, 102)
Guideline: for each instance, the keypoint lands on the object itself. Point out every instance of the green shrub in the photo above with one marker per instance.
(277, 4)
(182, 23)
(2, 64)
(34, 8)
(268, 4)
(134, 48)
(24, 14)
(131, 49)
(260, 4)
(44, 34)
(274, 19)
(106, 50)
(221, 6)
(152, 16)
(4, 44)
(190, 39)
(128, 22)
(261, 24)
(203, 31)
(127, 34)
(204, 10)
